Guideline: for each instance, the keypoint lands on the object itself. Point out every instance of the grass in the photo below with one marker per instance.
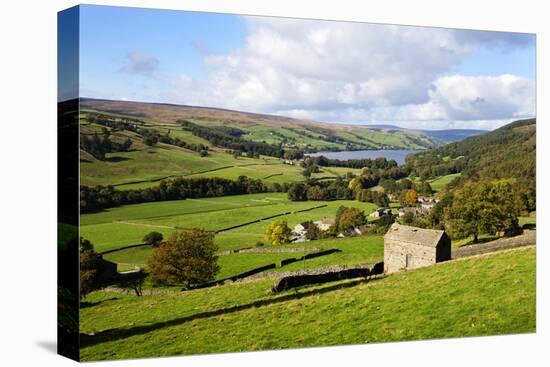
(126, 225)
(484, 295)
(531, 219)
(439, 183)
(353, 251)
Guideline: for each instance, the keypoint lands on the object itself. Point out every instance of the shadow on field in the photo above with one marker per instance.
(122, 333)
(117, 159)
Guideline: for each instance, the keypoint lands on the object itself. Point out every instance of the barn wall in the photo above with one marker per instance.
(395, 254)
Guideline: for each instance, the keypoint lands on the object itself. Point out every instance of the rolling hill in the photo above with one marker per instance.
(271, 129)
(448, 136)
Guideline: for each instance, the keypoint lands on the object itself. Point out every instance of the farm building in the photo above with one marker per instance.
(324, 225)
(380, 212)
(300, 229)
(408, 247)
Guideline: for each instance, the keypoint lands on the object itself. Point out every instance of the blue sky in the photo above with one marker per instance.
(329, 71)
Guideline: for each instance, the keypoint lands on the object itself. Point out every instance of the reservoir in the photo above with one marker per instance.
(396, 155)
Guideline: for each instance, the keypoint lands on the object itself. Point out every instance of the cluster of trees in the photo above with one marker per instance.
(484, 207)
(392, 186)
(150, 136)
(100, 197)
(115, 123)
(474, 208)
(370, 196)
(378, 163)
(320, 190)
(230, 138)
(98, 146)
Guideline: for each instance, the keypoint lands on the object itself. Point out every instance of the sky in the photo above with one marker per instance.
(340, 72)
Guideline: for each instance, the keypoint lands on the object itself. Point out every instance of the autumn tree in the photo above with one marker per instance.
(408, 197)
(341, 209)
(483, 207)
(315, 193)
(188, 257)
(278, 232)
(351, 218)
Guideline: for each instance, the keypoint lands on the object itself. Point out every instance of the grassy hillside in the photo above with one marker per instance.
(507, 152)
(485, 295)
(144, 166)
(269, 128)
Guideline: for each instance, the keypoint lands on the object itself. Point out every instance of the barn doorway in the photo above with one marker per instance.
(408, 261)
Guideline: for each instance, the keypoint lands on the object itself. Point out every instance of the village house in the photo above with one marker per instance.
(427, 203)
(324, 225)
(379, 212)
(300, 230)
(393, 197)
(408, 247)
(401, 211)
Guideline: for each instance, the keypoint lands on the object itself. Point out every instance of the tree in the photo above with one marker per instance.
(408, 197)
(150, 140)
(483, 207)
(278, 232)
(90, 277)
(425, 189)
(408, 217)
(341, 209)
(153, 238)
(355, 184)
(313, 232)
(133, 281)
(351, 218)
(297, 192)
(315, 193)
(187, 258)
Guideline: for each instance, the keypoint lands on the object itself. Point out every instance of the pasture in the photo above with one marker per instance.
(481, 295)
(126, 225)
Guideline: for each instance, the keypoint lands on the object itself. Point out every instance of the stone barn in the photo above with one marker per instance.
(408, 247)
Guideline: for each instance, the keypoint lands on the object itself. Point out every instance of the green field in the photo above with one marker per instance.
(484, 295)
(440, 182)
(353, 251)
(126, 225)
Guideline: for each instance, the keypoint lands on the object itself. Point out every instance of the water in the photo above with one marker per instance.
(396, 155)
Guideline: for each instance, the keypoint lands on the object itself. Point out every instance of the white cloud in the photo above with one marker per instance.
(355, 72)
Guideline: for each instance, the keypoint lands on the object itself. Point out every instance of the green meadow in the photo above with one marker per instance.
(482, 295)
(126, 225)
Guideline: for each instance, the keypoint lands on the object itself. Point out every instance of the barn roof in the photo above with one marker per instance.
(414, 235)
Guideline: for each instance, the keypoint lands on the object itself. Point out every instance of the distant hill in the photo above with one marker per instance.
(290, 132)
(448, 136)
